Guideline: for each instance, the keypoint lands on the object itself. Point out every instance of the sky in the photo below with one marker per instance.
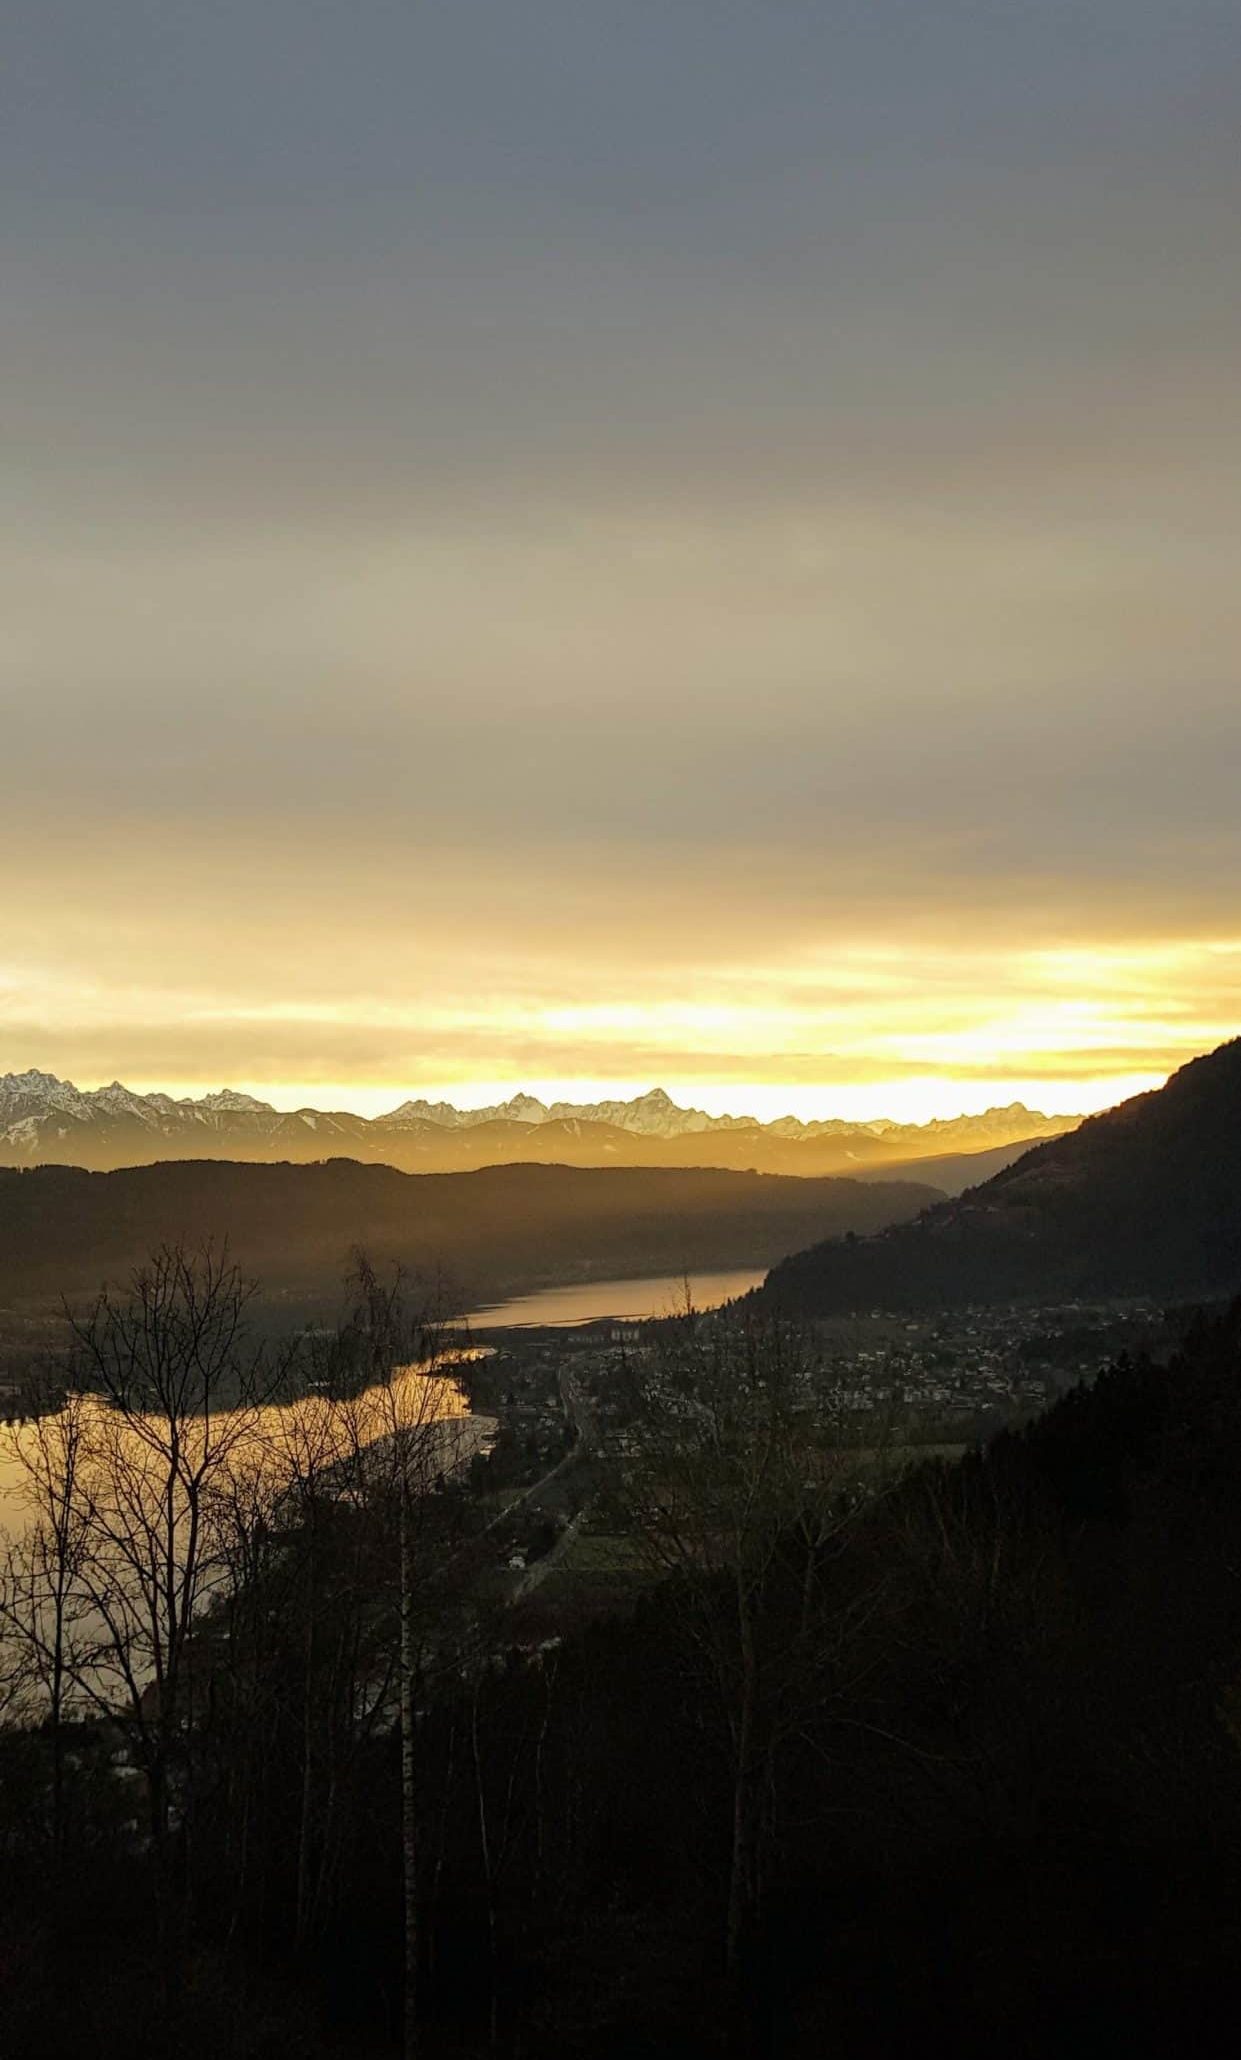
(572, 545)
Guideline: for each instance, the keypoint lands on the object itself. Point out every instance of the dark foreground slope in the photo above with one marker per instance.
(1145, 1199)
(1006, 1821)
(502, 1229)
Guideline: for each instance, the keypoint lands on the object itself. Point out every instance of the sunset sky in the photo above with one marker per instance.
(569, 546)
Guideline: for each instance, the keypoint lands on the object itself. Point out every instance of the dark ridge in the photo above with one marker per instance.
(502, 1229)
(1144, 1199)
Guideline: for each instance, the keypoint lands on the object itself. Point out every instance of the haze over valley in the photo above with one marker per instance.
(620, 1030)
(500, 1230)
(46, 1120)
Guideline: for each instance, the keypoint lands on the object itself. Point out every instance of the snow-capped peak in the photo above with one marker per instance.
(38, 1094)
(117, 1100)
(42, 1117)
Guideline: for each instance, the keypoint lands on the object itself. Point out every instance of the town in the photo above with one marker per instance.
(888, 1386)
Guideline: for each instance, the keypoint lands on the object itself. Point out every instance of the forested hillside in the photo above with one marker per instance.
(992, 1772)
(1145, 1199)
(500, 1230)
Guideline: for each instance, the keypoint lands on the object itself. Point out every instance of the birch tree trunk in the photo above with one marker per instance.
(409, 1797)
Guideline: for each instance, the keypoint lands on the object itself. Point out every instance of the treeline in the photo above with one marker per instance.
(884, 1761)
(500, 1230)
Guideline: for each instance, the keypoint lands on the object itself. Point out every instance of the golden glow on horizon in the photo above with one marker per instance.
(780, 645)
(755, 1007)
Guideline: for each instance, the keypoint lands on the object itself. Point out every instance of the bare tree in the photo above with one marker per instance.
(169, 1488)
(15, 1667)
(736, 1478)
(41, 1595)
(416, 1434)
(174, 1417)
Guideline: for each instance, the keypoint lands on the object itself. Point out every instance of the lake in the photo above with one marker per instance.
(276, 1442)
(629, 1301)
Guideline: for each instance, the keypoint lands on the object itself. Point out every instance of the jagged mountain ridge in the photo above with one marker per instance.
(1143, 1199)
(47, 1120)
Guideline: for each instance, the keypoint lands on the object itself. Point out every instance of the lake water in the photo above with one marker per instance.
(276, 1443)
(276, 1436)
(255, 1458)
(624, 1300)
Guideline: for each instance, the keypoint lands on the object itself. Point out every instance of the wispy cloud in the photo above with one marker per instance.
(698, 546)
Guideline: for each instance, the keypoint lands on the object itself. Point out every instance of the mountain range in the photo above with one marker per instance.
(45, 1120)
(494, 1232)
(1144, 1199)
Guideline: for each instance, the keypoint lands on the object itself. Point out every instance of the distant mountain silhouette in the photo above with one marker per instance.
(498, 1231)
(1145, 1198)
(46, 1121)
